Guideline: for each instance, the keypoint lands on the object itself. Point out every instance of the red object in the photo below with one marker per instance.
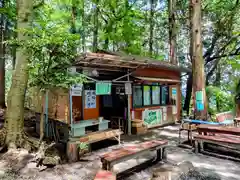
(105, 175)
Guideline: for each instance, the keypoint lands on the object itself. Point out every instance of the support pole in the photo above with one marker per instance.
(46, 114)
(129, 113)
(70, 106)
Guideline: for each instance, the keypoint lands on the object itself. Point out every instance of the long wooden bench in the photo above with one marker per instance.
(129, 152)
(228, 141)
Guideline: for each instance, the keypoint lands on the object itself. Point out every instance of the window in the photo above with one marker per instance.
(150, 95)
(156, 95)
(137, 96)
(164, 95)
(146, 95)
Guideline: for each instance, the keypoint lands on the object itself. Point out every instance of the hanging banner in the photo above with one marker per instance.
(103, 88)
(76, 90)
(90, 99)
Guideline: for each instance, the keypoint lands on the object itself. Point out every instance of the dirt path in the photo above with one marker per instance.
(85, 170)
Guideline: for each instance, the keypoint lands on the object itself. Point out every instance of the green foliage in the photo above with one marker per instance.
(219, 97)
(52, 50)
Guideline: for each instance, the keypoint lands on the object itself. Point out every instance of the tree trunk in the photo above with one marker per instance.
(15, 112)
(74, 15)
(188, 94)
(83, 25)
(172, 30)
(95, 23)
(2, 58)
(217, 83)
(151, 28)
(198, 62)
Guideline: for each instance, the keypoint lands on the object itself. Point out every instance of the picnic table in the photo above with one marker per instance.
(203, 128)
(190, 125)
(224, 136)
(236, 121)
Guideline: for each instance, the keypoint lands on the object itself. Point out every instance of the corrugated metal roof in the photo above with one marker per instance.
(119, 60)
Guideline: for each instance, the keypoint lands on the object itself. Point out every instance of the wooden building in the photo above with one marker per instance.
(132, 88)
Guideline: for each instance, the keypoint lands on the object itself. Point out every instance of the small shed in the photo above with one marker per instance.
(119, 89)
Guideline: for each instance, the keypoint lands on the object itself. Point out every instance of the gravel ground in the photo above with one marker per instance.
(86, 169)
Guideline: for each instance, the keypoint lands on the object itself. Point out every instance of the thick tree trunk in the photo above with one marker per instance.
(188, 94)
(2, 58)
(172, 30)
(198, 62)
(15, 111)
(151, 28)
(95, 31)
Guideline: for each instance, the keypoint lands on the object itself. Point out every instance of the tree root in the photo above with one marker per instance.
(46, 154)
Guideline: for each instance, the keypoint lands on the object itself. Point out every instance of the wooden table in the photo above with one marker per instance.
(236, 121)
(204, 128)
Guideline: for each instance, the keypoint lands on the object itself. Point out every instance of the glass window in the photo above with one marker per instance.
(155, 95)
(147, 95)
(137, 96)
(164, 95)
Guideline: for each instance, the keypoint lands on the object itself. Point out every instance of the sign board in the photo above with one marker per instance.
(103, 88)
(152, 117)
(72, 70)
(76, 90)
(128, 88)
(90, 99)
(199, 101)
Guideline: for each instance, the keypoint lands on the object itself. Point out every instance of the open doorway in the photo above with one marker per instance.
(113, 107)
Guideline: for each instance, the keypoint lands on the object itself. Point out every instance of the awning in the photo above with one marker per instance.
(163, 80)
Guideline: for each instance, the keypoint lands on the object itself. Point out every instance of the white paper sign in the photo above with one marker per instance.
(90, 99)
(128, 88)
(76, 90)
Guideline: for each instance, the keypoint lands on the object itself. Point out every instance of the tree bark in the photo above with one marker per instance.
(218, 84)
(2, 58)
(83, 25)
(95, 30)
(188, 94)
(197, 59)
(172, 30)
(151, 28)
(15, 112)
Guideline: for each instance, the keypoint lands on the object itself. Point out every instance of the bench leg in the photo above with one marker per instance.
(196, 146)
(179, 137)
(159, 155)
(104, 165)
(164, 154)
(201, 146)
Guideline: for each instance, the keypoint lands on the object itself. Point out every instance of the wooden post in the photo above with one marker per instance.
(70, 109)
(72, 151)
(129, 113)
(46, 114)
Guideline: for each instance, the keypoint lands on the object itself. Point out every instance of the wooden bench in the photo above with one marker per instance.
(227, 137)
(73, 143)
(129, 152)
